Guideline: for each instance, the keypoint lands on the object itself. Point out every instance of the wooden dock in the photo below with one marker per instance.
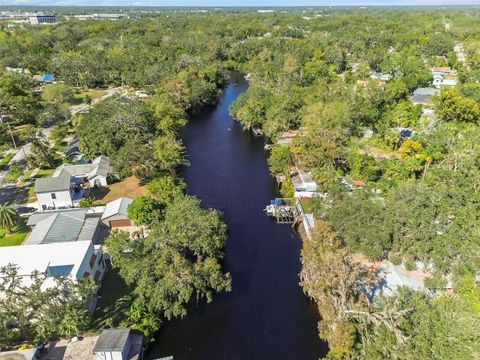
(285, 211)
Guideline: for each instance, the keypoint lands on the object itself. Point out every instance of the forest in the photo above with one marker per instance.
(344, 80)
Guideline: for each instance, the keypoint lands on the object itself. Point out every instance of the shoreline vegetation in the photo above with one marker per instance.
(388, 98)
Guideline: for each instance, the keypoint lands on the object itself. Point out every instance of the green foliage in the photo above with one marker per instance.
(34, 313)
(86, 202)
(8, 216)
(14, 173)
(144, 210)
(177, 264)
(166, 188)
(452, 106)
(57, 93)
(168, 153)
(280, 160)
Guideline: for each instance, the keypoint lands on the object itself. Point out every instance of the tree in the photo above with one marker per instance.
(57, 93)
(280, 160)
(178, 263)
(86, 202)
(452, 106)
(31, 312)
(144, 210)
(168, 153)
(166, 188)
(8, 216)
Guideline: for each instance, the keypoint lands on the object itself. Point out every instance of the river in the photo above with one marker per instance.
(266, 316)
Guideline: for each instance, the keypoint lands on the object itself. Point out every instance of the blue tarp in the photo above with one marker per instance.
(48, 77)
(277, 202)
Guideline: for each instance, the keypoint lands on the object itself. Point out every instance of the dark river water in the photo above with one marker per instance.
(266, 316)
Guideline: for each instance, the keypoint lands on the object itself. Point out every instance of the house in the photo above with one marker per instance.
(302, 182)
(422, 96)
(379, 76)
(392, 277)
(63, 226)
(116, 213)
(443, 71)
(95, 173)
(439, 81)
(118, 344)
(75, 260)
(352, 184)
(287, 137)
(60, 191)
(66, 186)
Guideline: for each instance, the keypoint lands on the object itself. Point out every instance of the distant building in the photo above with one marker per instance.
(422, 96)
(118, 344)
(379, 76)
(42, 19)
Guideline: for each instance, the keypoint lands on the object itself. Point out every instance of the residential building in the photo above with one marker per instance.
(440, 81)
(63, 226)
(118, 344)
(66, 186)
(422, 96)
(75, 259)
(302, 182)
(60, 191)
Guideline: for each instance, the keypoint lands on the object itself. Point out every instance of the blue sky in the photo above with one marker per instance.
(237, 2)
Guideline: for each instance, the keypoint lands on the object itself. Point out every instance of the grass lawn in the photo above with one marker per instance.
(6, 159)
(306, 205)
(128, 187)
(79, 97)
(113, 302)
(16, 238)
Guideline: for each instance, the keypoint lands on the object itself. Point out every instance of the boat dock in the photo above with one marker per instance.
(285, 211)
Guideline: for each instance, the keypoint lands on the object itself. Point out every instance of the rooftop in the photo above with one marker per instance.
(31, 258)
(112, 340)
(62, 226)
(59, 183)
(100, 166)
(115, 207)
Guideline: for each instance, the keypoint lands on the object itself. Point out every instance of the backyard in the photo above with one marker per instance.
(129, 187)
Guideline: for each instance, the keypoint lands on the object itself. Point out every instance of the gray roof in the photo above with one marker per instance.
(422, 95)
(100, 166)
(117, 207)
(52, 184)
(62, 226)
(112, 340)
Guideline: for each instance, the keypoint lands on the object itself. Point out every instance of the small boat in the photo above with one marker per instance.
(257, 131)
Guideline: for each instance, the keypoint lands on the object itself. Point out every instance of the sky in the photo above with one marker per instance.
(256, 3)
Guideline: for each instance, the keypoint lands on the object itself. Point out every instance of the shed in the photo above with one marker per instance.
(118, 344)
(116, 213)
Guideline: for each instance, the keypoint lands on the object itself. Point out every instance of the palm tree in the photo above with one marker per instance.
(8, 216)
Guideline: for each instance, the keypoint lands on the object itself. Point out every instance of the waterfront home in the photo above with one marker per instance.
(118, 344)
(63, 226)
(75, 260)
(302, 182)
(66, 187)
(422, 96)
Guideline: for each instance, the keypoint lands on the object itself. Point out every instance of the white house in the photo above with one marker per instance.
(302, 182)
(439, 81)
(95, 174)
(65, 188)
(118, 344)
(75, 260)
(57, 192)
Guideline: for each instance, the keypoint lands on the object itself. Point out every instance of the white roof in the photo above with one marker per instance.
(31, 258)
(396, 276)
(119, 206)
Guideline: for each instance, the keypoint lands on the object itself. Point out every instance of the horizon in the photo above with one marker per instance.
(234, 3)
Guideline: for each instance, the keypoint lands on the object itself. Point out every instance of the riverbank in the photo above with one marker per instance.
(266, 315)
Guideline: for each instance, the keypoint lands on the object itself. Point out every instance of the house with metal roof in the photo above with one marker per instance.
(118, 344)
(66, 187)
(63, 226)
(422, 96)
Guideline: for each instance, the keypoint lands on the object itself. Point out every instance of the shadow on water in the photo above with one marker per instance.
(266, 316)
